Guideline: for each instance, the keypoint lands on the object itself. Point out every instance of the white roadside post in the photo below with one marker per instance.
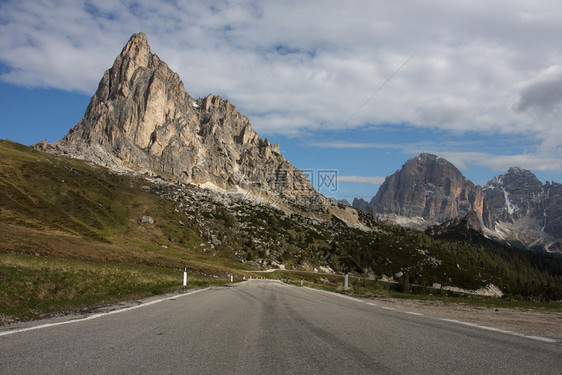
(302, 282)
(231, 278)
(185, 276)
(346, 282)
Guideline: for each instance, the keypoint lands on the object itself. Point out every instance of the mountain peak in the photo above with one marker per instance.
(426, 156)
(516, 180)
(137, 43)
(139, 37)
(429, 159)
(429, 187)
(136, 54)
(517, 170)
(142, 118)
(521, 172)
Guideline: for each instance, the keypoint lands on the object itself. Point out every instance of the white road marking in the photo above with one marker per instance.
(95, 316)
(494, 329)
(513, 333)
(351, 298)
(412, 313)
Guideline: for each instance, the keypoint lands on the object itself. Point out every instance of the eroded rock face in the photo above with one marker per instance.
(429, 187)
(524, 209)
(514, 207)
(514, 194)
(363, 205)
(142, 118)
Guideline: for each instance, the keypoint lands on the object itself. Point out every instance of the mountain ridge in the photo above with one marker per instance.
(142, 119)
(514, 207)
(428, 186)
(54, 206)
(196, 185)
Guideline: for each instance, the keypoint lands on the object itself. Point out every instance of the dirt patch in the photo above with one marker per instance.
(527, 321)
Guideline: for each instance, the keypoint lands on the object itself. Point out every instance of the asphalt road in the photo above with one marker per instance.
(270, 328)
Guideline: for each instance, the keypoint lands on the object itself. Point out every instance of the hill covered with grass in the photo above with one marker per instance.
(74, 234)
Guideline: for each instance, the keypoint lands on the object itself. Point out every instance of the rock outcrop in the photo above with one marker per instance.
(514, 207)
(431, 188)
(362, 205)
(524, 210)
(472, 221)
(142, 118)
(514, 195)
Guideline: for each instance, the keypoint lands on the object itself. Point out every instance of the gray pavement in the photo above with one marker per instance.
(271, 328)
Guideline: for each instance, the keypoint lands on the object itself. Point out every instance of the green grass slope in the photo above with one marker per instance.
(71, 235)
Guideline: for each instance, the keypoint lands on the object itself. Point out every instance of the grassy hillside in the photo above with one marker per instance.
(72, 235)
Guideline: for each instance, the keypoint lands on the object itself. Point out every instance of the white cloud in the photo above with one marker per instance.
(503, 162)
(296, 67)
(350, 145)
(540, 161)
(542, 93)
(370, 180)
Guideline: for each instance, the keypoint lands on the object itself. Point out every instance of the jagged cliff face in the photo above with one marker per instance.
(431, 188)
(514, 195)
(141, 117)
(515, 206)
(525, 210)
(363, 205)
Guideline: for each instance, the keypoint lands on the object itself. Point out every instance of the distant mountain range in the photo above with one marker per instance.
(514, 207)
(214, 188)
(141, 119)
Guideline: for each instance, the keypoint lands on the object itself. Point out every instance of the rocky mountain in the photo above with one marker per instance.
(431, 188)
(68, 225)
(345, 202)
(142, 119)
(472, 221)
(362, 205)
(524, 210)
(513, 195)
(196, 185)
(514, 207)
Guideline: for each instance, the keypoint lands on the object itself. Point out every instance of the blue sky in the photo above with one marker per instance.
(358, 88)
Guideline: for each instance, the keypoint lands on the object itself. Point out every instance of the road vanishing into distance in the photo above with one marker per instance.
(266, 327)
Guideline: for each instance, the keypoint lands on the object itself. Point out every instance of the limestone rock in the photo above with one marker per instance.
(429, 187)
(472, 221)
(147, 219)
(345, 202)
(142, 119)
(364, 206)
(514, 207)
(524, 210)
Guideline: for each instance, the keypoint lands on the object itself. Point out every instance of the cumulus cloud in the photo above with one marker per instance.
(462, 157)
(504, 162)
(298, 67)
(542, 93)
(370, 180)
(350, 145)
